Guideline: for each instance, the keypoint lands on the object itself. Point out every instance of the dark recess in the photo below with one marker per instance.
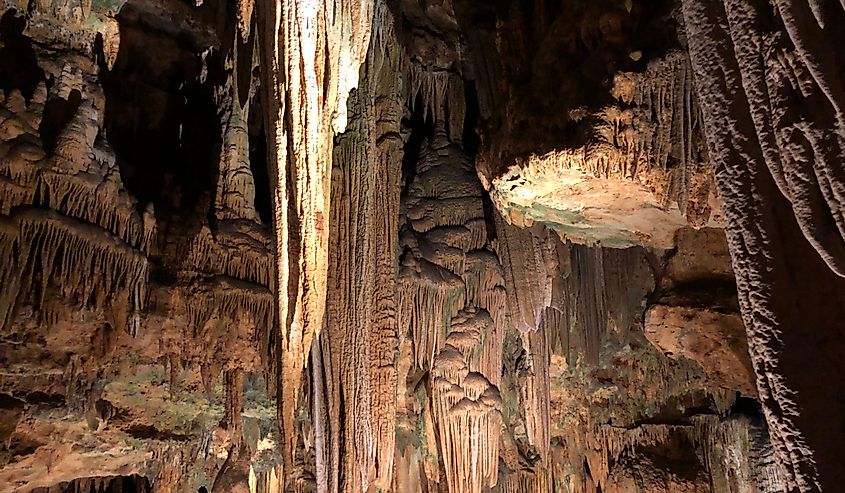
(258, 160)
(18, 65)
(161, 119)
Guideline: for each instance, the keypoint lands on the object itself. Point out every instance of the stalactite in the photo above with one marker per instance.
(88, 265)
(526, 258)
(232, 300)
(771, 96)
(310, 53)
(238, 251)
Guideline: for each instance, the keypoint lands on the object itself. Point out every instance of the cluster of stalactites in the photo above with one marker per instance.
(467, 406)
(227, 292)
(651, 135)
(89, 266)
(655, 123)
(739, 452)
(441, 93)
(568, 289)
(735, 453)
(227, 300)
(238, 250)
(564, 299)
(90, 242)
(451, 305)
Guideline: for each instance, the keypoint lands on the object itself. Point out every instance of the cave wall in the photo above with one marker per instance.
(778, 177)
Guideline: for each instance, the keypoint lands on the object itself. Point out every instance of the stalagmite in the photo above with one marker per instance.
(235, 197)
(452, 307)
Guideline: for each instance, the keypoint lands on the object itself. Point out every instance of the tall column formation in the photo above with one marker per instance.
(772, 92)
(355, 411)
(451, 305)
(311, 52)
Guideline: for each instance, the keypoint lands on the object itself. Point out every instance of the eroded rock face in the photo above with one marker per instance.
(714, 340)
(695, 313)
(415, 246)
(759, 71)
(114, 379)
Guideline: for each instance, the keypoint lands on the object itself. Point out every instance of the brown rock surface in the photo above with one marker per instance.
(714, 340)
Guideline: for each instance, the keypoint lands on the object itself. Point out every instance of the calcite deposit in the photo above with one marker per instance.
(440, 246)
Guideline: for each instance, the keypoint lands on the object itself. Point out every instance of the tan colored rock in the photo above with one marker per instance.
(714, 340)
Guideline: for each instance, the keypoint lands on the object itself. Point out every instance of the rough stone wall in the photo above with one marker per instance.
(113, 379)
(772, 98)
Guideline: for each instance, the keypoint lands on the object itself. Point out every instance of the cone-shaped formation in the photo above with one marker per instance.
(452, 307)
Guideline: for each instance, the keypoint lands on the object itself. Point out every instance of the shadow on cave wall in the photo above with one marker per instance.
(18, 64)
(161, 116)
(112, 484)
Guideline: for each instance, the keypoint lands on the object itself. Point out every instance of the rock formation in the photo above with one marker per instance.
(421, 246)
